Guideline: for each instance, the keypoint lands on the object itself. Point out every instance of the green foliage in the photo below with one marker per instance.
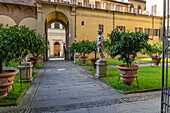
(38, 45)
(153, 49)
(84, 47)
(14, 44)
(38, 66)
(94, 48)
(18, 41)
(109, 62)
(73, 48)
(149, 77)
(125, 44)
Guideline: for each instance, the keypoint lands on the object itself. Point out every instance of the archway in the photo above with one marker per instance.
(57, 49)
(56, 19)
(131, 7)
(139, 8)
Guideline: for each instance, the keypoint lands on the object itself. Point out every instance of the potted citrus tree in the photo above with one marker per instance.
(154, 50)
(94, 49)
(13, 46)
(84, 48)
(109, 43)
(126, 44)
(37, 47)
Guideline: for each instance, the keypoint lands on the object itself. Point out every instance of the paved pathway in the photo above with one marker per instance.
(65, 88)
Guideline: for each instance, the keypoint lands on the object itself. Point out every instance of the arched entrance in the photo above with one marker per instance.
(56, 18)
(56, 49)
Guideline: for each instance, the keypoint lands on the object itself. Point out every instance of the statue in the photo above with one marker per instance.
(101, 69)
(100, 48)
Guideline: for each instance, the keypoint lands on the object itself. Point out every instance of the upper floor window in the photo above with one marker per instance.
(156, 32)
(148, 31)
(120, 28)
(101, 27)
(57, 26)
(139, 29)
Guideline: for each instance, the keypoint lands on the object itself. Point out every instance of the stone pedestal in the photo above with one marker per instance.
(76, 58)
(101, 69)
(25, 70)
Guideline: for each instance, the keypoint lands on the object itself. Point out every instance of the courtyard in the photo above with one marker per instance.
(62, 86)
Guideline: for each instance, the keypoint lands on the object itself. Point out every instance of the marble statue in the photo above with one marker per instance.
(100, 47)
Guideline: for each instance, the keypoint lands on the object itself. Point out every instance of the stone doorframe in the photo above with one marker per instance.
(43, 9)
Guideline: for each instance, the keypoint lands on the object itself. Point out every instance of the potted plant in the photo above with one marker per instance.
(74, 49)
(126, 44)
(84, 48)
(13, 46)
(154, 50)
(37, 47)
(109, 43)
(94, 49)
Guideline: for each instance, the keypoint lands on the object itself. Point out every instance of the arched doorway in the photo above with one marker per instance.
(58, 18)
(57, 49)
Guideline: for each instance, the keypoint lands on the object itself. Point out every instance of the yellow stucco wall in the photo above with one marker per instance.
(92, 19)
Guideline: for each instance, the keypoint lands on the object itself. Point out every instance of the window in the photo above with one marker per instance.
(56, 26)
(156, 32)
(79, 3)
(49, 26)
(139, 29)
(148, 31)
(101, 27)
(120, 28)
(62, 27)
(82, 23)
(49, 0)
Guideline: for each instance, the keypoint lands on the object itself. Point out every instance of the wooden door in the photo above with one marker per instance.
(56, 50)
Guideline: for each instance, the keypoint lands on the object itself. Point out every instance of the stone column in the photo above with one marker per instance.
(72, 27)
(40, 22)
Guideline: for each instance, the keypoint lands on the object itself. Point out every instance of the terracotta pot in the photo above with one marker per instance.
(156, 60)
(112, 57)
(93, 61)
(132, 58)
(128, 74)
(84, 59)
(6, 81)
(35, 60)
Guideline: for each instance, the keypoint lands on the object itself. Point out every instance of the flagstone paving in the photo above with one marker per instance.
(63, 87)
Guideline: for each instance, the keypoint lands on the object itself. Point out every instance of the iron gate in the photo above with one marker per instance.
(165, 90)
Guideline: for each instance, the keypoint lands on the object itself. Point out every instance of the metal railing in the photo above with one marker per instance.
(102, 5)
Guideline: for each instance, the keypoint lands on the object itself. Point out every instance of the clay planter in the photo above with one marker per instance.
(156, 60)
(84, 59)
(112, 57)
(93, 61)
(6, 81)
(128, 74)
(132, 58)
(35, 60)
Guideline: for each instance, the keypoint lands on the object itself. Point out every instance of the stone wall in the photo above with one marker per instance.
(13, 14)
(21, 2)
